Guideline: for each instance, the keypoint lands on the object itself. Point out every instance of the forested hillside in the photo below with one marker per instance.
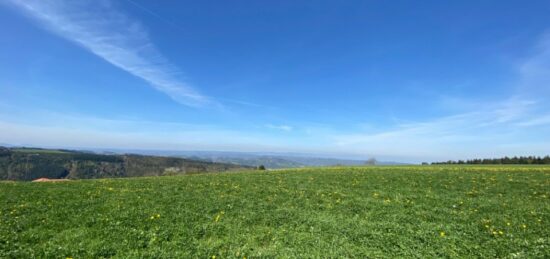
(522, 160)
(30, 163)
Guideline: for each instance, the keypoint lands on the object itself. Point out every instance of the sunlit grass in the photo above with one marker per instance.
(402, 211)
(39, 151)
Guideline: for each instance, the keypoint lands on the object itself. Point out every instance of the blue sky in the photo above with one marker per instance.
(398, 80)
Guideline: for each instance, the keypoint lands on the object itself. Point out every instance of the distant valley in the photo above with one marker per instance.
(24, 163)
(269, 160)
(33, 163)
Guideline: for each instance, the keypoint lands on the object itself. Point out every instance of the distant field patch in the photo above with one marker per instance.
(39, 151)
(394, 211)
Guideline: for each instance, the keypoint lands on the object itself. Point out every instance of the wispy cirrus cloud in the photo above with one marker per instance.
(516, 125)
(85, 131)
(111, 35)
(488, 131)
(279, 127)
(535, 70)
(538, 121)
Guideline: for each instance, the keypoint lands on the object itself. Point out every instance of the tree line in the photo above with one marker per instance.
(522, 160)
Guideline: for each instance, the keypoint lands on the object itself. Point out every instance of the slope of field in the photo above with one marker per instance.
(415, 211)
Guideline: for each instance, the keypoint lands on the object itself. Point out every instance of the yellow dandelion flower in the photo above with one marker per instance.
(508, 223)
(442, 234)
(500, 232)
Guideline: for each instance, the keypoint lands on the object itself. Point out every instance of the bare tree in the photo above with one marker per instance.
(371, 161)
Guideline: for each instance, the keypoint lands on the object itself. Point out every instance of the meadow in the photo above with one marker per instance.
(386, 211)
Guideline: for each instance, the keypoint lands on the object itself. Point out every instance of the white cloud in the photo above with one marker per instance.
(537, 121)
(164, 136)
(485, 131)
(279, 127)
(32, 127)
(535, 71)
(482, 129)
(111, 35)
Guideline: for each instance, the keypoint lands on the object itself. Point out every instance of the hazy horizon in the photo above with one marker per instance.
(408, 82)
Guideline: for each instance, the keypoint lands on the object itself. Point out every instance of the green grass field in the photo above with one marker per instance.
(39, 151)
(415, 211)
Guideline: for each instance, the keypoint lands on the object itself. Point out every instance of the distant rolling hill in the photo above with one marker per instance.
(272, 161)
(33, 163)
(269, 160)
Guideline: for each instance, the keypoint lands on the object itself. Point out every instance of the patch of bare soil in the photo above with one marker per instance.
(49, 180)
